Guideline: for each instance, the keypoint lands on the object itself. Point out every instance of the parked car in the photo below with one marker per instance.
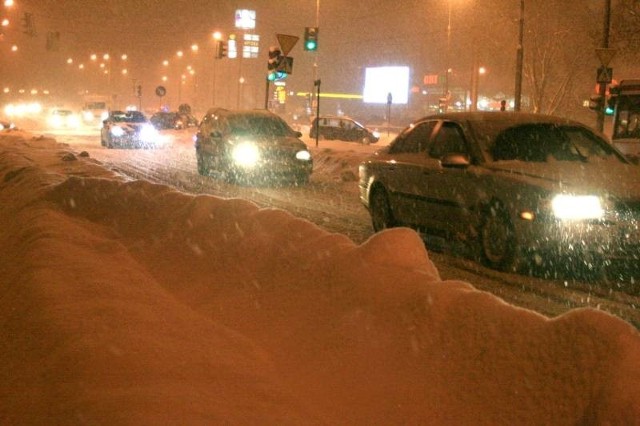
(128, 129)
(250, 146)
(514, 187)
(342, 128)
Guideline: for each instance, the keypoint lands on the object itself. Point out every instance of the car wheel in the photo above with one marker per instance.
(498, 246)
(380, 210)
(203, 164)
(366, 140)
(109, 143)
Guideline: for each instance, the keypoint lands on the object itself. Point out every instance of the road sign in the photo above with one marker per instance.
(161, 91)
(286, 42)
(604, 75)
(605, 55)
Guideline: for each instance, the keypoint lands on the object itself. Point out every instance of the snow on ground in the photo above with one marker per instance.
(132, 303)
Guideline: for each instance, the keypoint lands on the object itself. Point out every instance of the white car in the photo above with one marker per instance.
(63, 118)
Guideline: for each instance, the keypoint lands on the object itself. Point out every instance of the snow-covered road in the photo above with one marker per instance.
(331, 201)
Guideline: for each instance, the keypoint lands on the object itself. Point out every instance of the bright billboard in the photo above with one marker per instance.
(379, 82)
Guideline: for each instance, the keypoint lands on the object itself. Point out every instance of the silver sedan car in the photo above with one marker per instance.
(514, 187)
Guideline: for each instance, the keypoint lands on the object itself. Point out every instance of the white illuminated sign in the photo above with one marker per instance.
(381, 81)
(245, 19)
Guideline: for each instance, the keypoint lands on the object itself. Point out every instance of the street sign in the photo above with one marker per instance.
(605, 55)
(161, 91)
(604, 75)
(286, 42)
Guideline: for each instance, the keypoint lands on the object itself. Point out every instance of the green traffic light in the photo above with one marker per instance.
(311, 45)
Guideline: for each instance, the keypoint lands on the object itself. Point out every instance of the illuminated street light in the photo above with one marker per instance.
(179, 53)
(5, 22)
(94, 57)
(216, 35)
(8, 3)
(70, 61)
(194, 48)
(14, 48)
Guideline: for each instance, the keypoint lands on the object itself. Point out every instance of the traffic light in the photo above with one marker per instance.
(311, 38)
(28, 24)
(139, 90)
(221, 49)
(596, 102)
(274, 64)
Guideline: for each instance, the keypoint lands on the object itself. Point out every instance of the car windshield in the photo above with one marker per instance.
(259, 125)
(543, 142)
(128, 117)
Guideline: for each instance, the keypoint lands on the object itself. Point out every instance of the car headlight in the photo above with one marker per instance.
(577, 207)
(117, 131)
(246, 154)
(148, 133)
(303, 155)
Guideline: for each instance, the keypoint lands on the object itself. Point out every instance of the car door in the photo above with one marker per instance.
(402, 172)
(447, 192)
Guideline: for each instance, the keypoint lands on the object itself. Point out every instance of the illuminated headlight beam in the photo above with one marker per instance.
(303, 155)
(117, 131)
(246, 154)
(148, 133)
(577, 207)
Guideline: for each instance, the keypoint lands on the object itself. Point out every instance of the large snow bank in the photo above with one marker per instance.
(132, 303)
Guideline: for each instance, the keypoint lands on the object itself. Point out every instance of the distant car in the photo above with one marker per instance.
(6, 125)
(63, 118)
(128, 129)
(514, 187)
(342, 128)
(166, 120)
(251, 146)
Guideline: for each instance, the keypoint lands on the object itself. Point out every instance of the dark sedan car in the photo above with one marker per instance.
(512, 186)
(128, 129)
(253, 145)
(342, 128)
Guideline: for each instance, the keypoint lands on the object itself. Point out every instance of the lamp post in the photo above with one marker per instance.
(217, 36)
(519, 61)
(445, 93)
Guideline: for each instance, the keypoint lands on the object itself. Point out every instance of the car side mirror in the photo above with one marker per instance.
(216, 134)
(455, 160)
(297, 134)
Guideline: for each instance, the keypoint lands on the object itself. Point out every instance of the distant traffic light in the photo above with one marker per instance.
(596, 102)
(221, 49)
(29, 24)
(276, 64)
(311, 38)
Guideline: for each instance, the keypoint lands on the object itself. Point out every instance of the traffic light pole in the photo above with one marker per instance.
(317, 84)
(602, 87)
(266, 94)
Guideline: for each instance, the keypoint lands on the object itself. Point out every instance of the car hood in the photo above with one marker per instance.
(606, 177)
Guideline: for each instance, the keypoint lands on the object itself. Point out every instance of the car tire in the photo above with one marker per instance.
(366, 140)
(380, 210)
(497, 239)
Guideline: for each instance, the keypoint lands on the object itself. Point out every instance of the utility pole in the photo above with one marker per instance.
(517, 98)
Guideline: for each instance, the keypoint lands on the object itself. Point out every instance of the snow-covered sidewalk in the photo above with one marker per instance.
(132, 303)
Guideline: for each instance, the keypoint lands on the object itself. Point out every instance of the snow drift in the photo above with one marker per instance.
(126, 302)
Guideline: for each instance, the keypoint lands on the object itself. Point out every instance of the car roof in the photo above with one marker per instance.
(500, 116)
(242, 112)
